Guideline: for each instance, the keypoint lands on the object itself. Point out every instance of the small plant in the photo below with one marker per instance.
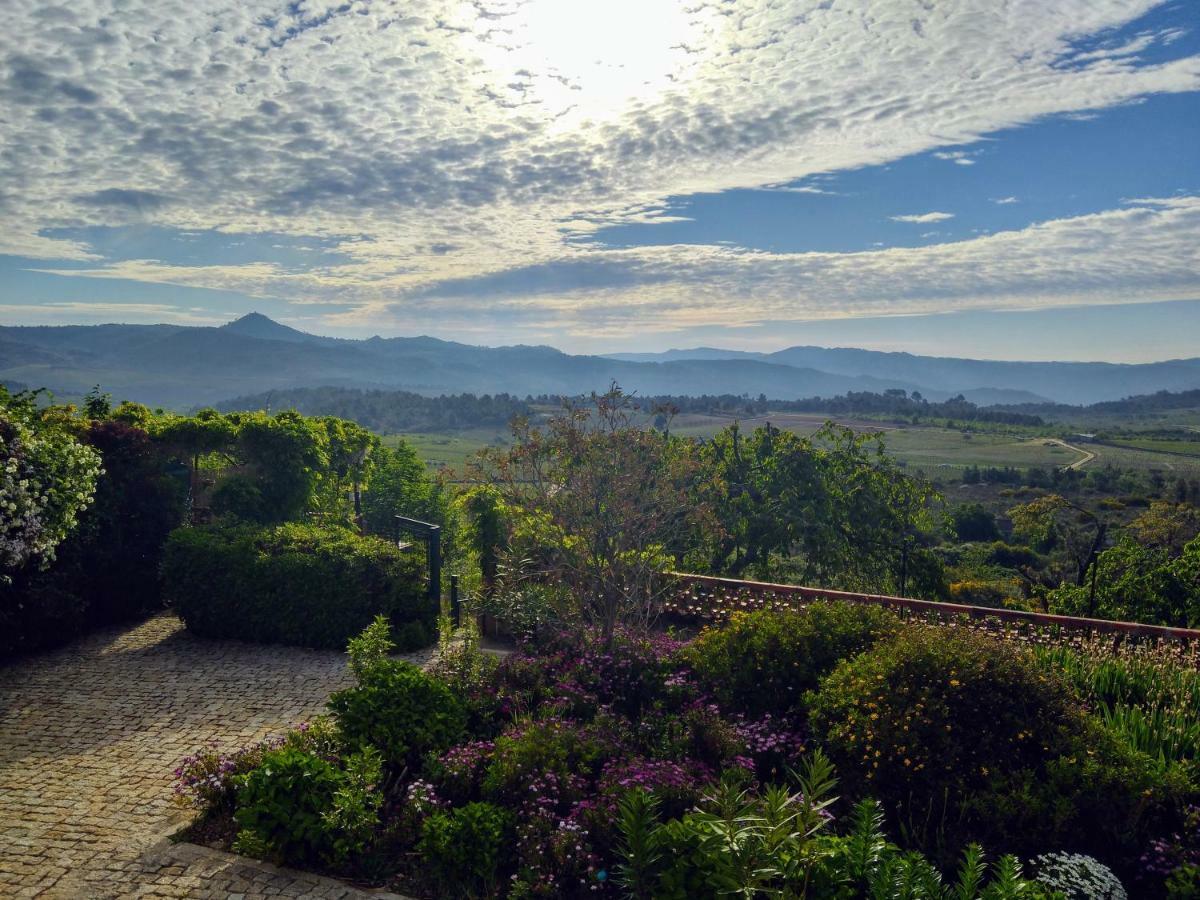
(282, 804)
(463, 848)
(399, 709)
(640, 845)
(1077, 877)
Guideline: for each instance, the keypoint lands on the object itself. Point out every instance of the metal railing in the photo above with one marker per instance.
(708, 598)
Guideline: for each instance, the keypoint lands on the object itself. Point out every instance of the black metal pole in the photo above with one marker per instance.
(435, 567)
(455, 607)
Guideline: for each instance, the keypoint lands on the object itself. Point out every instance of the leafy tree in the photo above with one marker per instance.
(1053, 521)
(830, 510)
(599, 504)
(974, 523)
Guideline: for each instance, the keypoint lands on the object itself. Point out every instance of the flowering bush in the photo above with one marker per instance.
(1077, 877)
(47, 478)
(954, 728)
(590, 770)
(763, 662)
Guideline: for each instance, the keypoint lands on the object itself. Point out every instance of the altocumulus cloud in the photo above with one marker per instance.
(450, 144)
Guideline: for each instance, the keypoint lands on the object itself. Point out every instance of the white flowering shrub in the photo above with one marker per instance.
(1077, 877)
(47, 479)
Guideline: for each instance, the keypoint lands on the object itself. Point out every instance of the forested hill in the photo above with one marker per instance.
(184, 366)
(388, 412)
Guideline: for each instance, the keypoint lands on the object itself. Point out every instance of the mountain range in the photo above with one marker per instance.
(179, 366)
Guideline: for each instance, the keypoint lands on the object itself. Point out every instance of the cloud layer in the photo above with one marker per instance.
(450, 147)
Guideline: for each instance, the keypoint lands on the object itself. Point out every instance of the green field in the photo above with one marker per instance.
(447, 451)
(933, 450)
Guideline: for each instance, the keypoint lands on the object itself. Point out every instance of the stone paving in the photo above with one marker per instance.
(90, 734)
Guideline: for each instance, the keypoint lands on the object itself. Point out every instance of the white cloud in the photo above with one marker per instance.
(498, 131)
(1004, 201)
(923, 218)
(958, 157)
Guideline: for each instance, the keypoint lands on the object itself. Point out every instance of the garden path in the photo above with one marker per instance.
(90, 734)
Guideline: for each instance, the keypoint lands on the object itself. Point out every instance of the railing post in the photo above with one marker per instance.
(455, 607)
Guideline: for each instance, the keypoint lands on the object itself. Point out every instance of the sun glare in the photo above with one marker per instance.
(588, 59)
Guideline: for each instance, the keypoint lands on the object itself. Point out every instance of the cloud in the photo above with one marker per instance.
(923, 218)
(1004, 201)
(436, 143)
(102, 312)
(958, 157)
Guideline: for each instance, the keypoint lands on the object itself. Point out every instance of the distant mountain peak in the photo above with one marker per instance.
(256, 325)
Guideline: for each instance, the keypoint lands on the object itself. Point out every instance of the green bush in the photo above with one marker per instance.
(281, 806)
(966, 738)
(399, 709)
(764, 661)
(106, 569)
(463, 848)
(293, 584)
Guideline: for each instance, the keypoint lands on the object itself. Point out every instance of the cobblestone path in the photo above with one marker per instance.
(89, 736)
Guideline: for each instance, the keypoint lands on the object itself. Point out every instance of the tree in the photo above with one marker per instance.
(974, 523)
(47, 478)
(600, 504)
(1054, 521)
(830, 510)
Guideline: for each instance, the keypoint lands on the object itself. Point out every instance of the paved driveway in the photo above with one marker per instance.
(89, 736)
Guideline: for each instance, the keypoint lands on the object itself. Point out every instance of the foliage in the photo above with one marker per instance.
(389, 412)
(400, 710)
(47, 478)
(1077, 877)
(1139, 583)
(207, 779)
(400, 486)
(106, 569)
(464, 848)
(971, 522)
(966, 738)
(829, 510)
(764, 661)
(1146, 695)
(292, 584)
(289, 804)
(600, 504)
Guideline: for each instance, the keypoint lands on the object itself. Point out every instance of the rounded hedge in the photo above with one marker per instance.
(764, 661)
(293, 584)
(964, 737)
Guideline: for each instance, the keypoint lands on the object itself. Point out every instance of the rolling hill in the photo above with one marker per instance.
(182, 366)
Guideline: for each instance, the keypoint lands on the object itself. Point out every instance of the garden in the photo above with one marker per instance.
(834, 751)
(622, 744)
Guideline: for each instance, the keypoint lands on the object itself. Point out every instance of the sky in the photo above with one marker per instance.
(1014, 179)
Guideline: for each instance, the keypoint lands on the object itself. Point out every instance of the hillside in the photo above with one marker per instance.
(178, 366)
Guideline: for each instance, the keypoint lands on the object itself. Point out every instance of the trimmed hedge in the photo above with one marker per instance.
(294, 584)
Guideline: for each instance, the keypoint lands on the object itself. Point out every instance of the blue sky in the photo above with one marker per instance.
(987, 178)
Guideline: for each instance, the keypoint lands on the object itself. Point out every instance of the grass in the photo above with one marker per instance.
(447, 451)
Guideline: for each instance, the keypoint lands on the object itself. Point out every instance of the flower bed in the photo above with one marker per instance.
(639, 768)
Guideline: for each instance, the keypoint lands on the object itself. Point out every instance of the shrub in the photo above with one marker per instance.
(966, 738)
(463, 848)
(292, 584)
(1078, 877)
(106, 568)
(400, 710)
(281, 806)
(569, 753)
(764, 661)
